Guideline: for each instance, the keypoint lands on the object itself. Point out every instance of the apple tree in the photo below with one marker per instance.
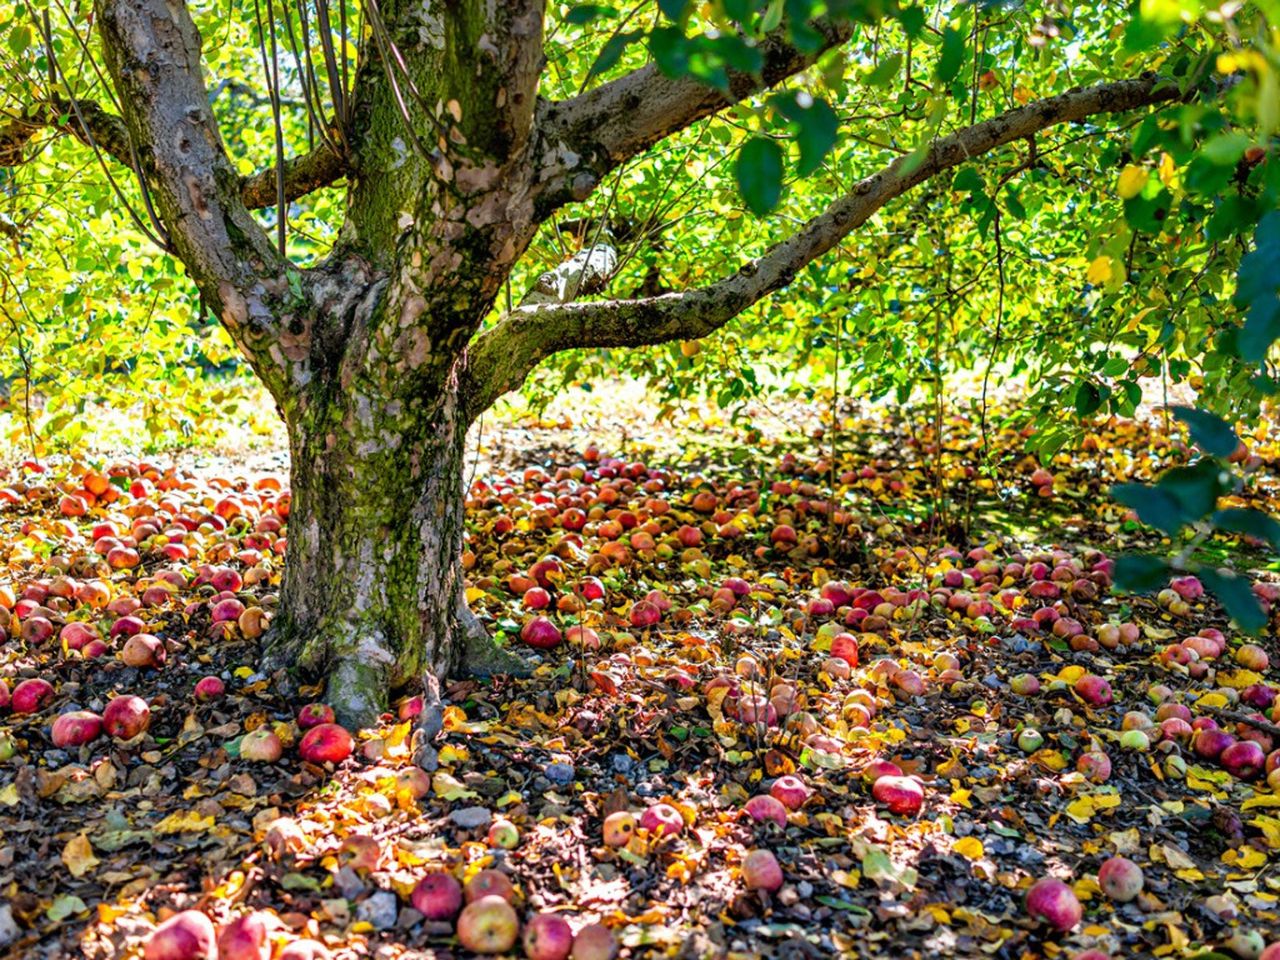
(397, 211)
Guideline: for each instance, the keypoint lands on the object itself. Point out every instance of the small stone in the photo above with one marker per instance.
(561, 773)
(348, 883)
(469, 818)
(379, 910)
(9, 930)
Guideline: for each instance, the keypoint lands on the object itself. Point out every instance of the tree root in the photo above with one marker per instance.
(483, 656)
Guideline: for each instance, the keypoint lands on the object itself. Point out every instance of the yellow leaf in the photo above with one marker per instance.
(1132, 180)
(1262, 800)
(448, 787)
(1270, 828)
(1100, 270)
(78, 856)
(968, 847)
(1212, 700)
(184, 821)
(1070, 674)
(1246, 858)
(1239, 679)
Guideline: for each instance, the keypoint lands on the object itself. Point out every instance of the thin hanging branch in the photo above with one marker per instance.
(271, 69)
(156, 232)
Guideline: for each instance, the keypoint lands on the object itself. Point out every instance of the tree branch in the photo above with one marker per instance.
(582, 139)
(302, 174)
(501, 358)
(152, 53)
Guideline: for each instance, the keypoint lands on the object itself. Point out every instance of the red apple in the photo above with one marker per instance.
(765, 808)
(1093, 690)
(1244, 759)
(187, 935)
(144, 650)
(876, 769)
(325, 743)
(245, 938)
(489, 883)
(437, 896)
(262, 745)
(126, 717)
(845, 647)
(31, 695)
(1209, 743)
(1120, 879)
(304, 950)
(314, 714)
(901, 795)
(790, 791)
(761, 871)
(1052, 901)
(488, 925)
(662, 820)
(209, 688)
(75, 728)
(594, 942)
(645, 614)
(1094, 765)
(547, 936)
(1252, 657)
(541, 633)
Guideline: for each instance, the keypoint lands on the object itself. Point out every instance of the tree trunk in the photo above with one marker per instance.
(373, 594)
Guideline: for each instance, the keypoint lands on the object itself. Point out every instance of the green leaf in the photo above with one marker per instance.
(20, 39)
(759, 174)
(612, 51)
(968, 180)
(818, 126)
(1210, 433)
(1140, 573)
(1226, 149)
(673, 9)
(1236, 596)
(952, 57)
(1258, 291)
(1155, 507)
(584, 13)
(1088, 398)
(1197, 487)
(1248, 521)
(884, 71)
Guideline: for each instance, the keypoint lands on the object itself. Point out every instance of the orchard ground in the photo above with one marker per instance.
(814, 731)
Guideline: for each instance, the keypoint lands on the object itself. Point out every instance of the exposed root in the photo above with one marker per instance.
(430, 724)
(357, 690)
(482, 655)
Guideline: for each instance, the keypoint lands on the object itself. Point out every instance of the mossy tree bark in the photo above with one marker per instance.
(374, 355)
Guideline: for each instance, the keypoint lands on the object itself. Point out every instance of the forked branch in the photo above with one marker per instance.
(104, 130)
(582, 139)
(501, 358)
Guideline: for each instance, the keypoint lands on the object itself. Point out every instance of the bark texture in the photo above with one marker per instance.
(452, 162)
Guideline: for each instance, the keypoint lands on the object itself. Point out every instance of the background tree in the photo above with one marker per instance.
(580, 149)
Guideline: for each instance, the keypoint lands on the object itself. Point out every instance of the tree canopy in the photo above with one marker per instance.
(1036, 259)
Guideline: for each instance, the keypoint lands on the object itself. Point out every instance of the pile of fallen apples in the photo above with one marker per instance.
(138, 563)
(481, 912)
